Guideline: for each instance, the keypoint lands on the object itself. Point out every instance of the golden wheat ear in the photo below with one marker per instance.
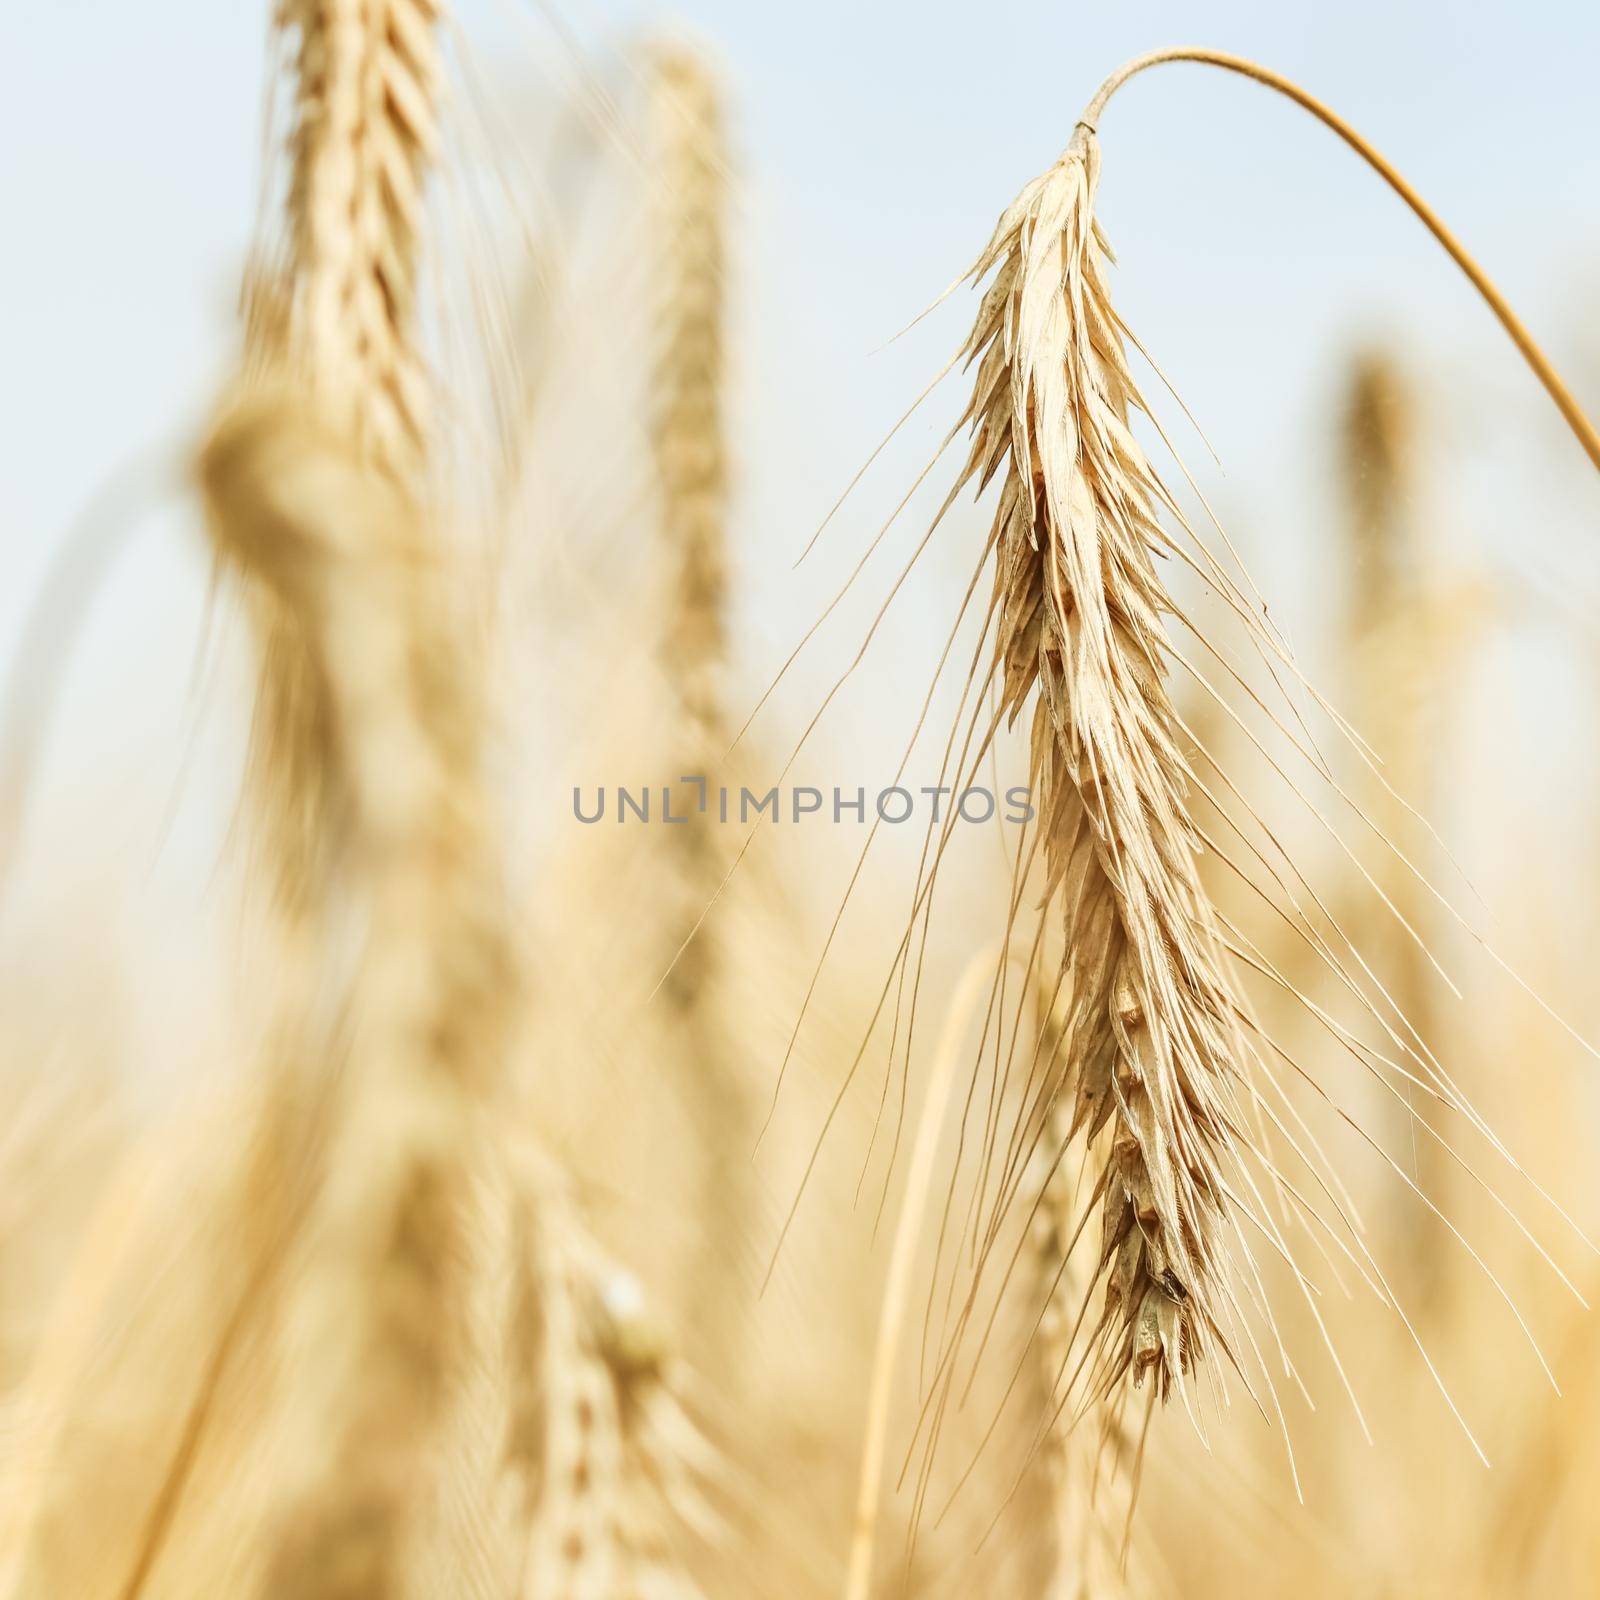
(1403, 632)
(687, 428)
(367, 82)
(619, 1486)
(1171, 1081)
(689, 211)
(426, 1012)
(1079, 647)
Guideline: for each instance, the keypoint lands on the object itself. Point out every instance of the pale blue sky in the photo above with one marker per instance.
(878, 141)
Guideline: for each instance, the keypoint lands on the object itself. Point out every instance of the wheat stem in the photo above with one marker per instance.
(897, 1290)
(1577, 419)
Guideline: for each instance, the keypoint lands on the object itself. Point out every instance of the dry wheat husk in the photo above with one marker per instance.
(1155, 1054)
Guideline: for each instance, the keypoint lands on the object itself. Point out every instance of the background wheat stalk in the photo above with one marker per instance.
(366, 89)
(313, 487)
(614, 1474)
(398, 1365)
(689, 206)
(1086, 1462)
(332, 300)
(1394, 633)
(319, 500)
(687, 430)
(432, 997)
(336, 313)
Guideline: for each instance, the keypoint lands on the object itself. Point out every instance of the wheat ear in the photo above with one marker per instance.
(1161, 1038)
(1084, 1460)
(333, 322)
(612, 1469)
(333, 311)
(1079, 609)
(689, 212)
(1403, 634)
(367, 86)
(345, 552)
(370, 718)
(1390, 633)
(1577, 420)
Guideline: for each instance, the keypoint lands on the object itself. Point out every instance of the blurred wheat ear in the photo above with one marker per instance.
(686, 402)
(622, 1486)
(331, 308)
(1393, 638)
(1088, 1463)
(313, 483)
(431, 1001)
(317, 481)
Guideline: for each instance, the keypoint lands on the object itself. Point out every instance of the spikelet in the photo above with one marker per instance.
(1402, 630)
(1404, 634)
(1153, 1048)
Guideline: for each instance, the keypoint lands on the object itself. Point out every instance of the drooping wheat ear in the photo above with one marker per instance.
(1153, 1044)
(346, 553)
(603, 1450)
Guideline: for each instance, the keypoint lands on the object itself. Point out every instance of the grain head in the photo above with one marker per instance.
(1155, 1055)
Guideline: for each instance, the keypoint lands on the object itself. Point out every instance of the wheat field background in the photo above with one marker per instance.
(435, 427)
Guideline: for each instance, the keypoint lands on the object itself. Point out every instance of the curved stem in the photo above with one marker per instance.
(1575, 415)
